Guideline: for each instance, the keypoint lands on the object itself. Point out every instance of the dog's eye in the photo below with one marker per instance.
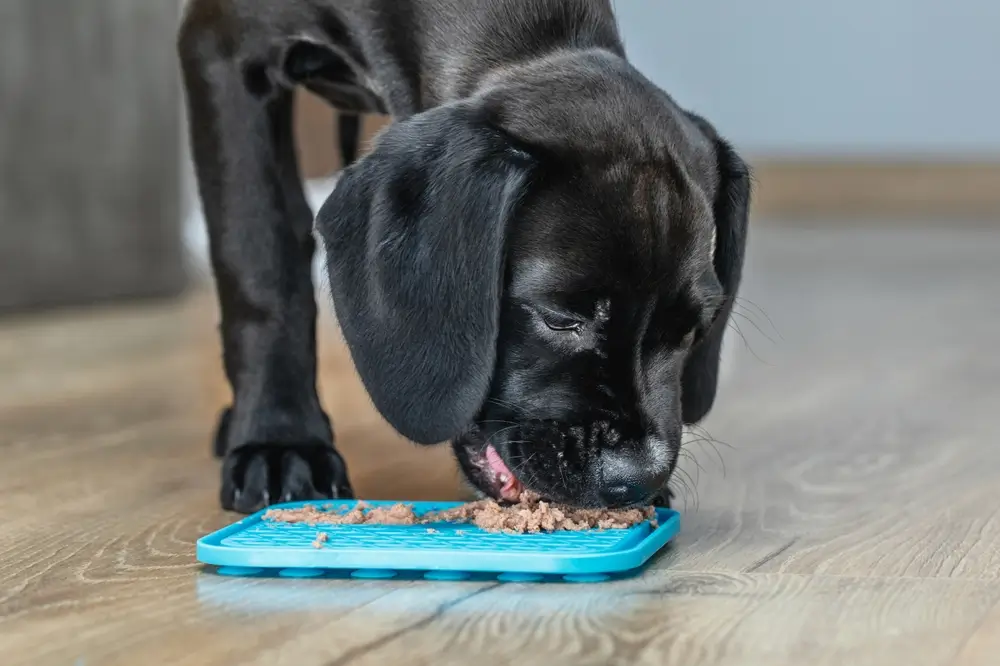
(562, 323)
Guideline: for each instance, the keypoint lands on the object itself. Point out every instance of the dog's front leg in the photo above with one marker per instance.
(276, 441)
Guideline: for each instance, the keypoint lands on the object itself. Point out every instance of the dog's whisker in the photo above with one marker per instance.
(699, 440)
(505, 404)
(718, 455)
(734, 325)
(711, 441)
(523, 464)
(694, 440)
(735, 313)
(685, 489)
(562, 475)
(678, 482)
(489, 440)
(689, 482)
(696, 498)
(503, 430)
(705, 440)
(687, 475)
(695, 426)
(749, 315)
(688, 455)
(700, 429)
(740, 300)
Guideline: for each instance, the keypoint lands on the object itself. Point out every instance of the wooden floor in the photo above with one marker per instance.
(856, 521)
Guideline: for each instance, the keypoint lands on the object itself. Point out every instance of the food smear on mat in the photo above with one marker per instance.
(360, 514)
(530, 515)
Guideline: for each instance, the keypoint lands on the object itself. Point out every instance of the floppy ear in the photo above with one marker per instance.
(731, 209)
(415, 237)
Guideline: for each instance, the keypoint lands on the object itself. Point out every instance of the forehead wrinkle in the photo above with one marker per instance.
(646, 205)
(699, 252)
(688, 251)
(641, 226)
(669, 235)
(658, 239)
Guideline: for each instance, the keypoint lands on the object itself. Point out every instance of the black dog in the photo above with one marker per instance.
(537, 260)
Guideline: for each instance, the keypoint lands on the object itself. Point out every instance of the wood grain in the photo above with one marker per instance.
(851, 516)
(983, 646)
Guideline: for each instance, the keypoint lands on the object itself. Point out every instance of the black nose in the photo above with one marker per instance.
(630, 478)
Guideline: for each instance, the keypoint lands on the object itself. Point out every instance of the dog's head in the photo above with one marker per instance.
(542, 274)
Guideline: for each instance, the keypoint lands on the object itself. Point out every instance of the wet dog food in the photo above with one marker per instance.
(529, 515)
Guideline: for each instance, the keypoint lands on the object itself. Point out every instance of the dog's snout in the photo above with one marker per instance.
(631, 476)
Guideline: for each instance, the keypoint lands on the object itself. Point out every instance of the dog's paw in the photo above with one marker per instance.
(256, 476)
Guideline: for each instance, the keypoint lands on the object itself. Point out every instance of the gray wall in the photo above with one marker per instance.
(89, 151)
(908, 78)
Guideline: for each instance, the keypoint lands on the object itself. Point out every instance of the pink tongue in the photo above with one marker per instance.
(511, 488)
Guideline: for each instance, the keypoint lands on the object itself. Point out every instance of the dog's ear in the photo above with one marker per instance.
(415, 238)
(731, 210)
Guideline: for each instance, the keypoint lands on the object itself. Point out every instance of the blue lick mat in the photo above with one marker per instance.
(446, 551)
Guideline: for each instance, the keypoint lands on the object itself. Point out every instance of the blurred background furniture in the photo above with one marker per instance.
(90, 152)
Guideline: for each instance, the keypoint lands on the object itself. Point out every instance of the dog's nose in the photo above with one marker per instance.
(629, 478)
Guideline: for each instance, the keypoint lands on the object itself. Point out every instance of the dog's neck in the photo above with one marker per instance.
(493, 37)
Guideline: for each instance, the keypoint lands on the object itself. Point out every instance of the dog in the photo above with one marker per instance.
(535, 262)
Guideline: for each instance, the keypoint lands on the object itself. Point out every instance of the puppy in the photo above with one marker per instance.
(535, 262)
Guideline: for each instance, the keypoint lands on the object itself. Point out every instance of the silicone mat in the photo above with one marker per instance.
(443, 551)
